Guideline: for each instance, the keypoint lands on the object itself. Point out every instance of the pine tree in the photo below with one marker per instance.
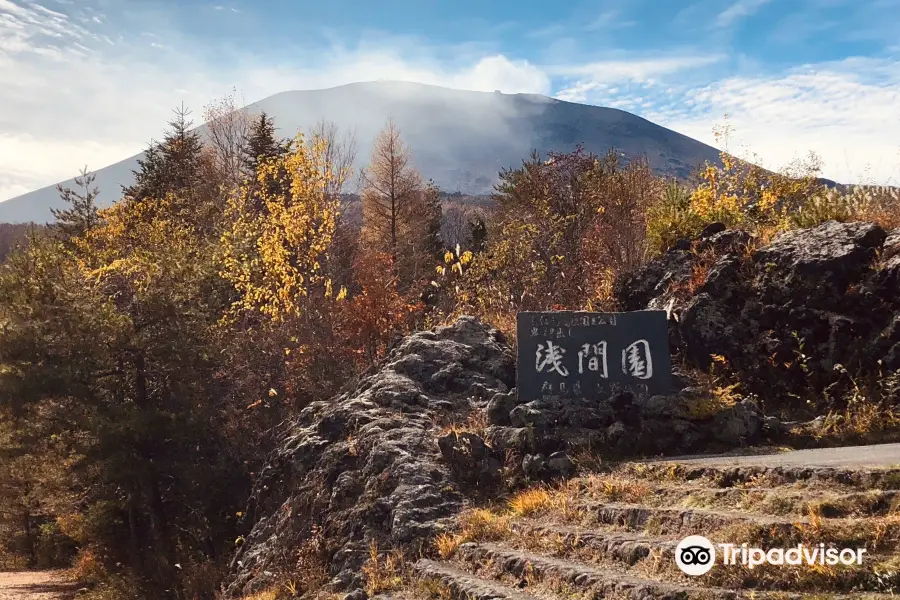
(171, 166)
(432, 215)
(82, 214)
(261, 144)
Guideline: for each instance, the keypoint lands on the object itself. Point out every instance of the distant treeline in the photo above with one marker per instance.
(16, 234)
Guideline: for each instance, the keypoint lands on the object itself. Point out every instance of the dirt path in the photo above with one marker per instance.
(34, 585)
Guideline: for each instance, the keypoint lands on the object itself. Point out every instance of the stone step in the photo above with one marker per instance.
(622, 546)
(465, 586)
(772, 476)
(639, 553)
(604, 581)
(780, 501)
(556, 574)
(683, 521)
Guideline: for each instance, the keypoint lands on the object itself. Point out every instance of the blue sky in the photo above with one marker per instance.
(91, 81)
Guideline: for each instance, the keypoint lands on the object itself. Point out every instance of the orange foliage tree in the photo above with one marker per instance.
(375, 316)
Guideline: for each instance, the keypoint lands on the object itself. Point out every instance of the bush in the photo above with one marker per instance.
(672, 218)
(878, 204)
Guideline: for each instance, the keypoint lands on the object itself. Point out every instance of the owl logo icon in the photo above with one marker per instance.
(695, 555)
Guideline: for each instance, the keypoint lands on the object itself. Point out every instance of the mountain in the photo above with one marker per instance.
(460, 139)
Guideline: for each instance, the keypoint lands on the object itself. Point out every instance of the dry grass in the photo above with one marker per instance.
(446, 544)
(871, 502)
(862, 420)
(520, 522)
(616, 489)
(476, 423)
(483, 525)
(428, 587)
(699, 274)
(875, 533)
(531, 502)
(384, 572)
(270, 594)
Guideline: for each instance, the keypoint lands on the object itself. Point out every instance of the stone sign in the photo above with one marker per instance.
(590, 354)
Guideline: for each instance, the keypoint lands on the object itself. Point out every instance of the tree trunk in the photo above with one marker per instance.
(29, 539)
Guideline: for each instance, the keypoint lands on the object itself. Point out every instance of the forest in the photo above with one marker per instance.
(150, 350)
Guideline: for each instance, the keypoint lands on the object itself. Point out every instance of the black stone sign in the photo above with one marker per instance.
(591, 354)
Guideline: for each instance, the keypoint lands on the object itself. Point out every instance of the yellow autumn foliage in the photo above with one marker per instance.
(141, 248)
(280, 232)
(738, 193)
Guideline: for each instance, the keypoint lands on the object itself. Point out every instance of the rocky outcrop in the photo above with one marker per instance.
(366, 466)
(384, 463)
(544, 433)
(795, 319)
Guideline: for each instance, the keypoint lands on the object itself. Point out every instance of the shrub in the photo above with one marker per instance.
(878, 204)
(672, 218)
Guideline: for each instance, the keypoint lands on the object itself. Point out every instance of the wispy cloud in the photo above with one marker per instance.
(73, 99)
(610, 19)
(846, 111)
(638, 68)
(739, 10)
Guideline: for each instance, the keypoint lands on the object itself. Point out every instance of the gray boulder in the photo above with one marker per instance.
(366, 466)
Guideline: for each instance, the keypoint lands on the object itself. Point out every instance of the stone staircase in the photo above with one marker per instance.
(613, 535)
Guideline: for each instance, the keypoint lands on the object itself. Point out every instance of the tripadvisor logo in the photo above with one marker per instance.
(696, 555)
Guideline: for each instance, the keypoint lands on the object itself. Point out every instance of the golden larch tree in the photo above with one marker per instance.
(391, 187)
(398, 208)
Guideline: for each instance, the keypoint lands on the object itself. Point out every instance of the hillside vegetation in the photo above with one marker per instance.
(150, 350)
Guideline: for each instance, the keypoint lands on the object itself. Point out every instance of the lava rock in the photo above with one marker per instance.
(783, 316)
(533, 465)
(357, 594)
(500, 406)
(365, 466)
(560, 465)
(712, 229)
(470, 458)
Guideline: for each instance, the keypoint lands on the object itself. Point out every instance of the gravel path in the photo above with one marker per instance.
(34, 585)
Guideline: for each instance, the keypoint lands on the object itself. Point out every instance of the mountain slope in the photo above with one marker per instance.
(460, 139)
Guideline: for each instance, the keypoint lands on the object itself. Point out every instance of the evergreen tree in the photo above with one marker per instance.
(262, 144)
(171, 166)
(260, 148)
(432, 215)
(82, 213)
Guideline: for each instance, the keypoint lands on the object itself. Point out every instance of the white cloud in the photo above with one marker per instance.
(635, 69)
(738, 10)
(591, 82)
(845, 111)
(64, 105)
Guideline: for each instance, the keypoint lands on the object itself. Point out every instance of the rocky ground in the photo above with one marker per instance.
(397, 460)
